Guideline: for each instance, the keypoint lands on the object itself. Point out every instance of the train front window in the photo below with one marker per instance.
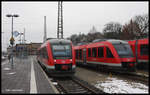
(61, 51)
(123, 50)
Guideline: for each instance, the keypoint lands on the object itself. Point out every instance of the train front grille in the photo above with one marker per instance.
(63, 67)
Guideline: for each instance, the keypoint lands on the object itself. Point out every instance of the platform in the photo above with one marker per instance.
(25, 76)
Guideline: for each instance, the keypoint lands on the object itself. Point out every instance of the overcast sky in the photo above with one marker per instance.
(77, 17)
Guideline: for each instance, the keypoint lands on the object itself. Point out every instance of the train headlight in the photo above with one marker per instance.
(54, 60)
(71, 60)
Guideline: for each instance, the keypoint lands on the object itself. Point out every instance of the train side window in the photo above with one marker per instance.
(89, 52)
(94, 52)
(100, 52)
(144, 50)
(45, 55)
(108, 53)
(80, 53)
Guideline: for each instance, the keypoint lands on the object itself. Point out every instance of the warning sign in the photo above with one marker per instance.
(12, 39)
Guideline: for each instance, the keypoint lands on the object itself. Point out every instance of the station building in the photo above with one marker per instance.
(27, 49)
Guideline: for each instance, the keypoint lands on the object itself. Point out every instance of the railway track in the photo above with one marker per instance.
(132, 76)
(139, 77)
(73, 85)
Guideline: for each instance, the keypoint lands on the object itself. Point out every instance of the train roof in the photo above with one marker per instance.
(58, 41)
(113, 41)
(117, 41)
(55, 41)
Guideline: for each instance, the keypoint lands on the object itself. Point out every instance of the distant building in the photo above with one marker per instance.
(23, 48)
(27, 48)
(34, 47)
(93, 30)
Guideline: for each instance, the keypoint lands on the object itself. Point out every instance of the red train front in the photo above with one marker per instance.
(114, 54)
(140, 50)
(57, 57)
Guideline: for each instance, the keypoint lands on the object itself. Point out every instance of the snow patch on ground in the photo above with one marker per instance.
(114, 85)
(3, 57)
(11, 73)
(14, 90)
(6, 68)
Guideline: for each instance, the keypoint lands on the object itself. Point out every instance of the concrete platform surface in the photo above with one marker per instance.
(25, 76)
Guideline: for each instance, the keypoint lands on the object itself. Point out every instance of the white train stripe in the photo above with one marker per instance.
(109, 64)
(143, 60)
(53, 67)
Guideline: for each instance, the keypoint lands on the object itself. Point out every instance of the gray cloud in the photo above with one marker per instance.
(78, 17)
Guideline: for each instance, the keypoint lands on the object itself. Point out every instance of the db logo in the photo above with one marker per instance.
(63, 61)
(128, 59)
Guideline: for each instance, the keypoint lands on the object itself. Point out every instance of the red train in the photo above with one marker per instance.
(114, 54)
(140, 51)
(57, 57)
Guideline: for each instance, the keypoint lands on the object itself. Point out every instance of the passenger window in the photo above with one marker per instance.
(45, 54)
(80, 54)
(100, 52)
(89, 52)
(144, 50)
(94, 52)
(76, 54)
(108, 53)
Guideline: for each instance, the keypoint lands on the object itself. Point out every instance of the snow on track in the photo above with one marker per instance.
(114, 85)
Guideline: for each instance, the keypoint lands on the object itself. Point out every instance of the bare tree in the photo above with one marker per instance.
(143, 23)
(137, 28)
(82, 38)
(112, 30)
(130, 31)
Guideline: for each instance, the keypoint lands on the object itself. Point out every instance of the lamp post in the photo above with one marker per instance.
(12, 39)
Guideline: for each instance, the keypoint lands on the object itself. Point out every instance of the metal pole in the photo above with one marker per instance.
(24, 43)
(24, 36)
(61, 21)
(20, 37)
(12, 44)
(3, 40)
(58, 21)
(45, 35)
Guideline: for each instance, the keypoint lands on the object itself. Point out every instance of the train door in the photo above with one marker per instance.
(84, 56)
(136, 50)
